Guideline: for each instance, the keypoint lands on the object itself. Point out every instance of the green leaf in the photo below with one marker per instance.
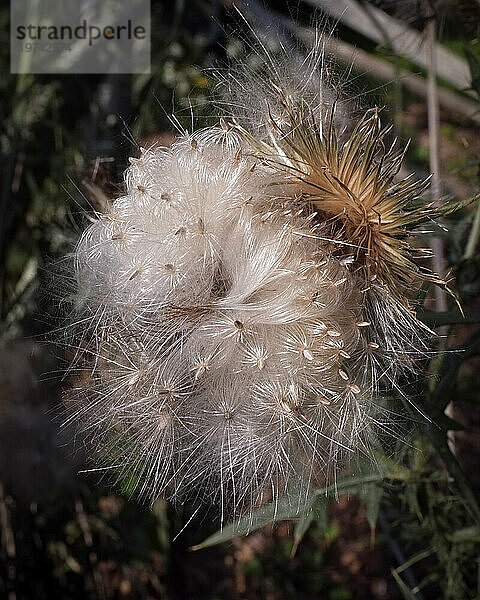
(371, 496)
(448, 424)
(281, 510)
(411, 496)
(301, 528)
(474, 70)
(320, 512)
(452, 206)
(288, 507)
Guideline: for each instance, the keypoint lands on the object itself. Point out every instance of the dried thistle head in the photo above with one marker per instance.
(239, 310)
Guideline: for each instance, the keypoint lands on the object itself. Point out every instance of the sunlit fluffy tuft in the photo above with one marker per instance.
(238, 308)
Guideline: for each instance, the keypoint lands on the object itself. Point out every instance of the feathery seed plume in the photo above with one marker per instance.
(238, 308)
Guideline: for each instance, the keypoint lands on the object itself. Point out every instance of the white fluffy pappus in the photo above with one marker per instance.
(231, 320)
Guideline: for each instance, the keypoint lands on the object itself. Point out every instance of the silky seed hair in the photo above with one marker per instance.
(242, 310)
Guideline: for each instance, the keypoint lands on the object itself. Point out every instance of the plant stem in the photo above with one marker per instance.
(434, 151)
(474, 235)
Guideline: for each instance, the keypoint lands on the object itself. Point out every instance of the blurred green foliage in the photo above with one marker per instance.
(58, 131)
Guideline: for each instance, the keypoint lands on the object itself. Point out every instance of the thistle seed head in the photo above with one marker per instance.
(238, 307)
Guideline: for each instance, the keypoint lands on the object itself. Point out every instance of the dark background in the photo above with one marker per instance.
(64, 143)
